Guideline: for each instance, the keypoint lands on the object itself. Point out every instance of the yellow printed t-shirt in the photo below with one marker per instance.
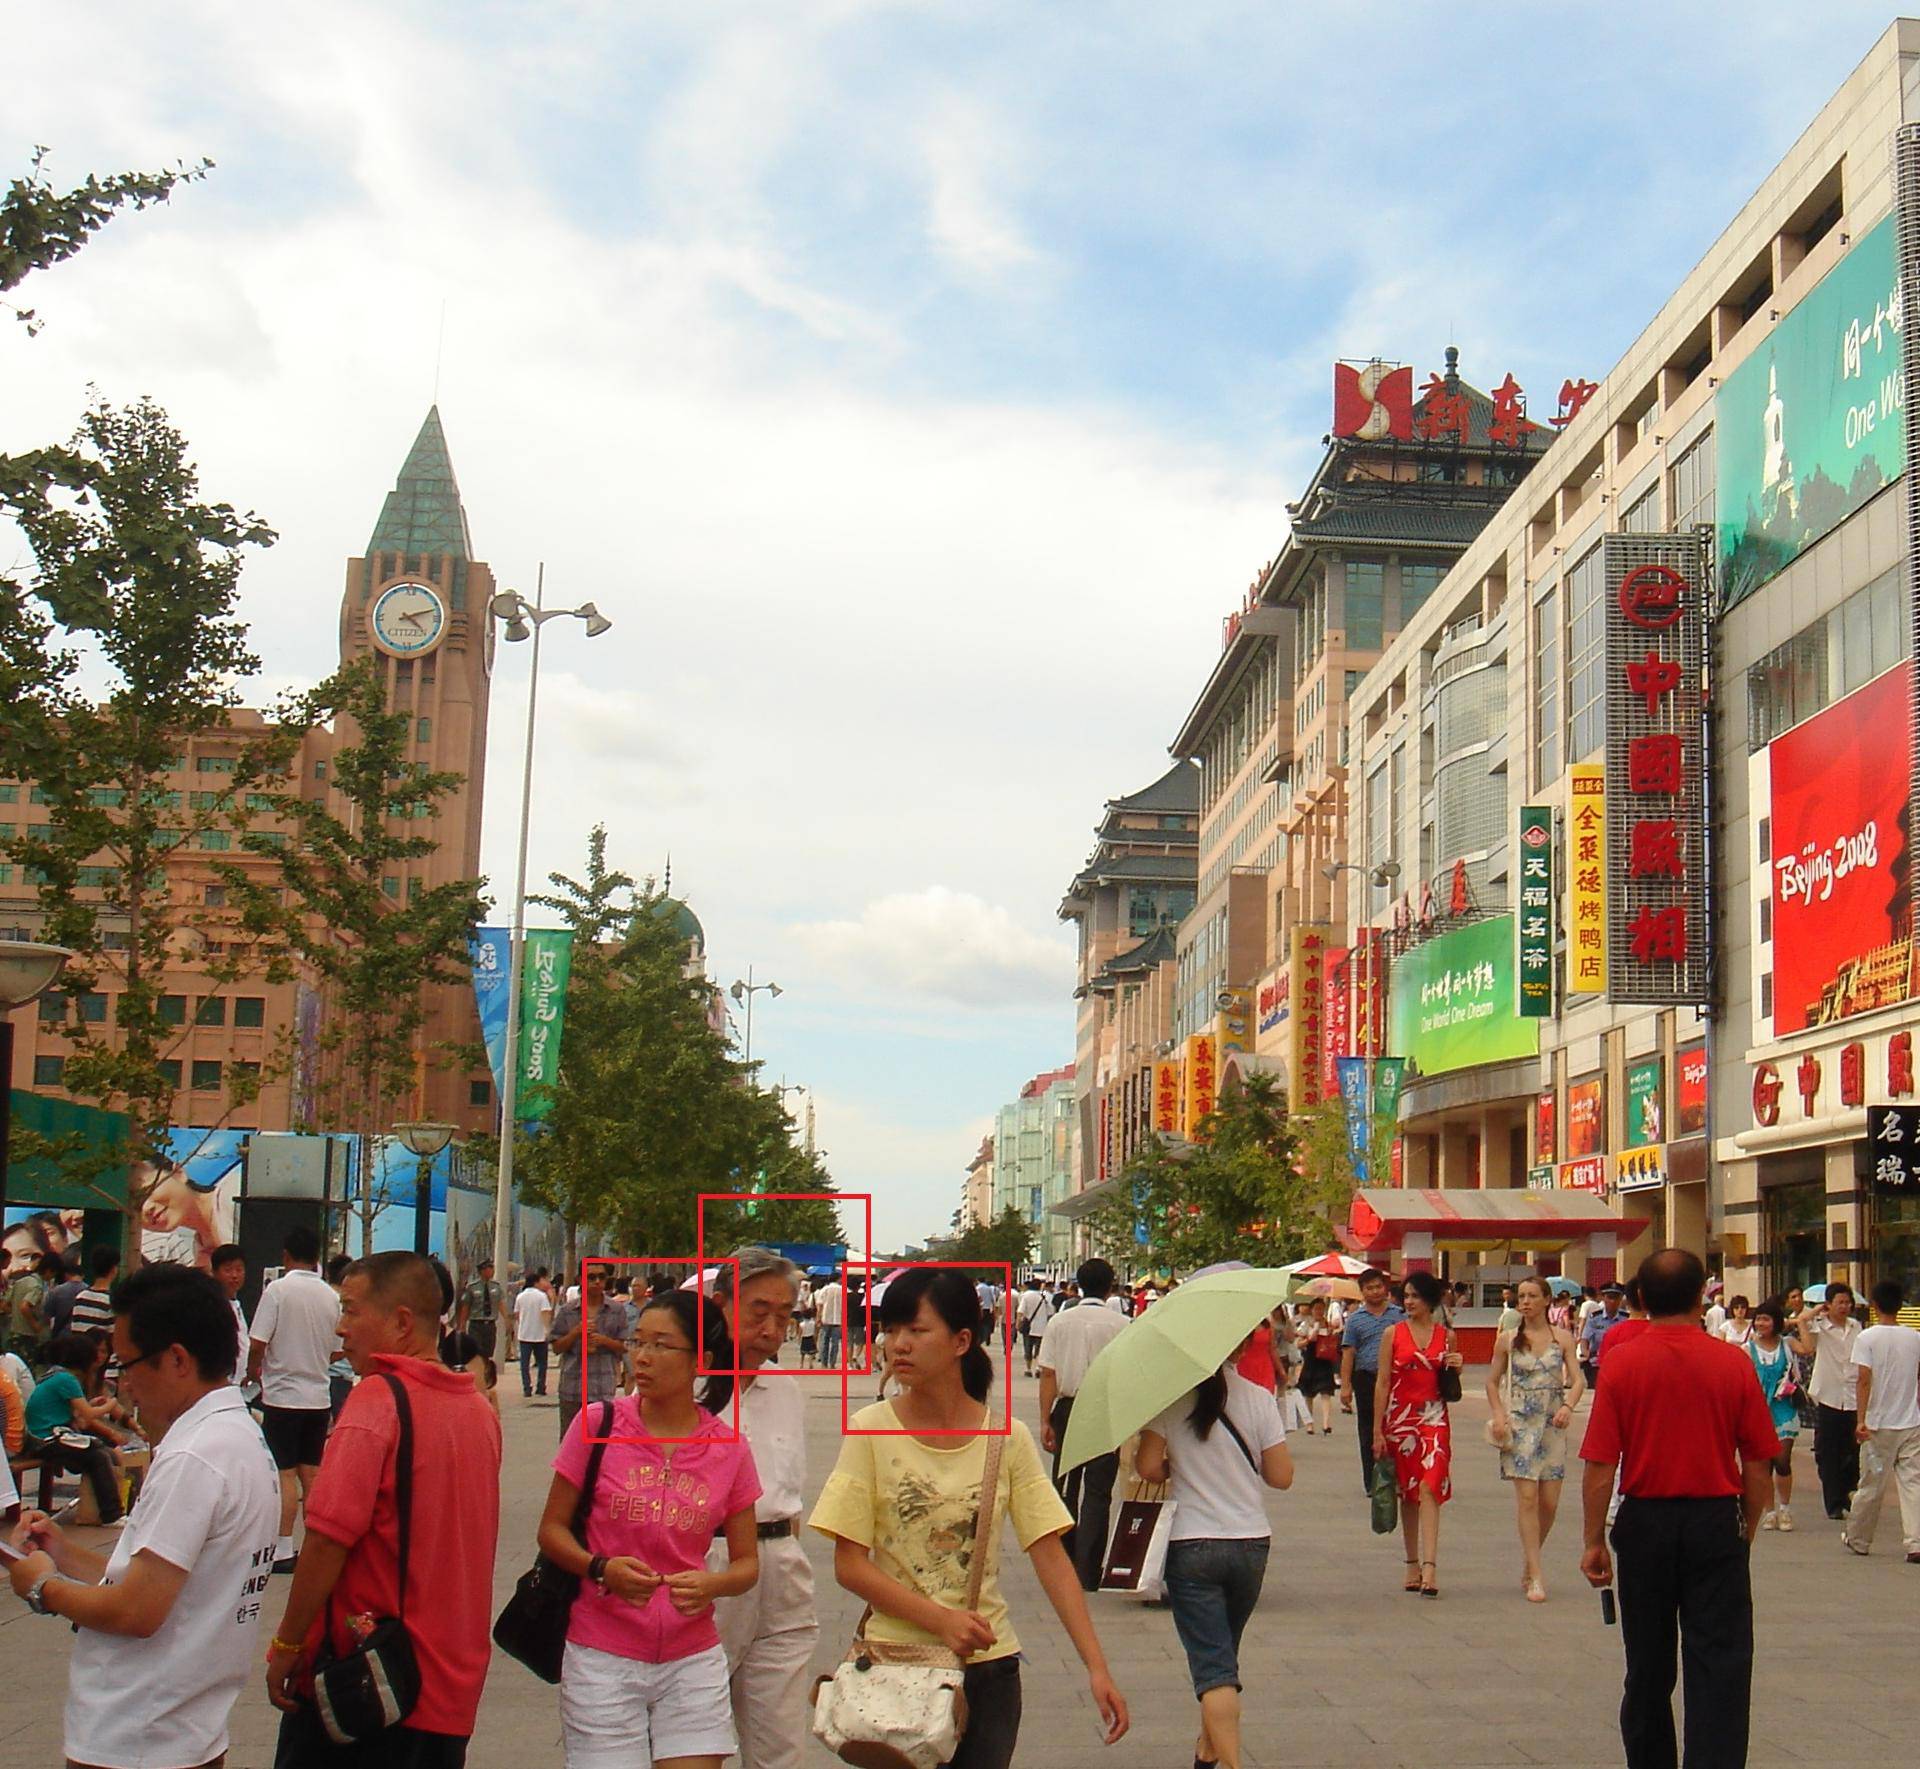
(915, 1508)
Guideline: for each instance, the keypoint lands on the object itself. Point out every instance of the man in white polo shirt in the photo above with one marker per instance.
(169, 1625)
(1073, 1339)
(1886, 1365)
(830, 1308)
(296, 1330)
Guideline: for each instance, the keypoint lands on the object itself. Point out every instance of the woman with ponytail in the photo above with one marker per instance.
(902, 1503)
(645, 1678)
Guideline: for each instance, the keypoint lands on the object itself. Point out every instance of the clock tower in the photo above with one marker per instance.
(417, 603)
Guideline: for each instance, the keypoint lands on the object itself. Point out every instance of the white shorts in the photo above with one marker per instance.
(616, 1713)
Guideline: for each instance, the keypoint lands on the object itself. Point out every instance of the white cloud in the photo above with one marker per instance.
(968, 168)
(941, 945)
(914, 1170)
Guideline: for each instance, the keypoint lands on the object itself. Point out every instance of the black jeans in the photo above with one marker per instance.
(1088, 1493)
(533, 1357)
(304, 1744)
(1681, 1567)
(94, 1464)
(1837, 1456)
(1363, 1381)
(993, 1715)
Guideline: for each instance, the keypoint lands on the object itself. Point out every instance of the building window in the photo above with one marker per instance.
(53, 1009)
(173, 1010)
(110, 796)
(1643, 514)
(1365, 597)
(425, 730)
(1871, 631)
(479, 1093)
(169, 1068)
(1586, 657)
(93, 1007)
(391, 887)
(250, 1010)
(319, 770)
(1379, 816)
(212, 1011)
(48, 1070)
(9, 795)
(1417, 583)
(216, 841)
(1692, 484)
(414, 887)
(214, 896)
(213, 764)
(96, 878)
(38, 796)
(246, 1072)
(1787, 685)
(203, 801)
(1546, 689)
(206, 1075)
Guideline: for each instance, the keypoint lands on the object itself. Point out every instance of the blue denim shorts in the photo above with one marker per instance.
(1213, 1583)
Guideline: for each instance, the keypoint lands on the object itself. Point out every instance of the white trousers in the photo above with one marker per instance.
(769, 1634)
(1888, 1459)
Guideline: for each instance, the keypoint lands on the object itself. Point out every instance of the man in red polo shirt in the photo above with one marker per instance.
(1682, 1419)
(390, 1306)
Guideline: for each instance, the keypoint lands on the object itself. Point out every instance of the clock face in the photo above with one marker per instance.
(408, 619)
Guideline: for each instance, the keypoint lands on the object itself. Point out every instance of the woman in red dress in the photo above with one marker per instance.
(1410, 1425)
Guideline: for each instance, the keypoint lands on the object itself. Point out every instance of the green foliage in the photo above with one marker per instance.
(1009, 1241)
(41, 227)
(1243, 1192)
(119, 653)
(651, 1107)
(323, 894)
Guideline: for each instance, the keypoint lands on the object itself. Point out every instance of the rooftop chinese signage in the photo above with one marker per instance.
(1452, 1000)
(1656, 825)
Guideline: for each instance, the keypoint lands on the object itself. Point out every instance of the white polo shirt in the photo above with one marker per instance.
(298, 1321)
(773, 1414)
(1834, 1383)
(1892, 1353)
(210, 1506)
(532, 1315)
(1074, 1338)
(830, 1303)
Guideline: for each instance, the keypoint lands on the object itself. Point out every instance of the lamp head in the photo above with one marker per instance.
(1331, 871)
(738, 991)
(1386, 872)
(424, 1139)
(597, 623)
(773, 989)
(516, 630)
(27, 970)
(506, 605)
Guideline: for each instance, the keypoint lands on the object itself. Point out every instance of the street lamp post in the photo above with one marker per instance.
(27, 971)
(424, 1141)
(745, 992)
(521, 620)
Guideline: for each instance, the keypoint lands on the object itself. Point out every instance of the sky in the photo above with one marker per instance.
(915, 384)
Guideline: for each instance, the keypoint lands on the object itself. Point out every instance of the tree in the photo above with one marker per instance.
(1008, 1241)
(1243, 1192)
(120, 655)
(375, 949)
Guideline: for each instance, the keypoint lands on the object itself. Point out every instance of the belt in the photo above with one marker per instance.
(768, 1532)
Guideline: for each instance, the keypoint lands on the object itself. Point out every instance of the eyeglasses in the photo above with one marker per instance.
(146, 1357)
(653, 1347)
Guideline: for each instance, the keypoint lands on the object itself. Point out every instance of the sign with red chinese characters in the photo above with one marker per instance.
(1305, 1052)
(1336, 1029)
(1276, 1000)
(1586, 1175)
(1373, 401)
(1842, 922)
(1166, 1098)
(1690, 1090)
(1656, 769)
(1202, 1081)
(1367, 973)
(1104, 1162)
(1586, 880)
(1546, 1139)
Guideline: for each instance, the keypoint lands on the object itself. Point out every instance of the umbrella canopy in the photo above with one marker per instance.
(1327, 1289)
(1207, 1271)
(1328, 1265)
(1165, 1353)
(703, 1280)
(1563, 1287)
(1815, 1293)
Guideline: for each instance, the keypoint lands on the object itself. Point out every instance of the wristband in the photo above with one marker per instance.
(276, 1644)
(597, 1570)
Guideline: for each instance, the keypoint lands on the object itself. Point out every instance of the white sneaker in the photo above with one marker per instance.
(1767, 1520)
(1785, 1519)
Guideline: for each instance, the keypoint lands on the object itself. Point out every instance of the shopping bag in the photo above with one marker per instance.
(1385, 1495)
(1136, 1561)
(1293, 1412)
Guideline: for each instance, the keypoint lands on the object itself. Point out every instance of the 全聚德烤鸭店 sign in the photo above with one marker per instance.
(1586, 879)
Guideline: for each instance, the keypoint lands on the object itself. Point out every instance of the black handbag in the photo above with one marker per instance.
(359, 1694)
(533, 1626)
(1450, 1389)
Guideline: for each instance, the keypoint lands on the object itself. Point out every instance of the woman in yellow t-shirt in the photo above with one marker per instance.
(901, 1510)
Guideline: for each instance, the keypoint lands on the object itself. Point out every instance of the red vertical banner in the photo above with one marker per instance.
(1105, 1160)
(1336, 1024)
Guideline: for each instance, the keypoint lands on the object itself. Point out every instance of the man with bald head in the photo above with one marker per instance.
(408, 1411)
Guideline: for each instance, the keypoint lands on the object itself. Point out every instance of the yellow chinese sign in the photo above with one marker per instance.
(1587, 880)
(1166, 1098)
(1202, 1081)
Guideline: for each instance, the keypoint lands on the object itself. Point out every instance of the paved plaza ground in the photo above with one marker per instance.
(1340, 1667)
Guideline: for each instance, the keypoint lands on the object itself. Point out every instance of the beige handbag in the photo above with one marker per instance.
(900, 1705)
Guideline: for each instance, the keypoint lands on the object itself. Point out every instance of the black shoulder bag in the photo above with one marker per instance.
(533, 1626)
(362, 1692)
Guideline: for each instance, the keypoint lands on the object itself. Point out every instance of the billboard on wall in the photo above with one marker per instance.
(1646, 1115)
(1690, 1090)
(1586, 1118)
(1808, 428)
(1842, 902)
(1452, 1002)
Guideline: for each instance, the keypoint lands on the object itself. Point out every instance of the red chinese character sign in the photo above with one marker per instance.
(1655, 770)
(1372, 401)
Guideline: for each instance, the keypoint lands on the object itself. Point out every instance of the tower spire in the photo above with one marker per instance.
(423, 512)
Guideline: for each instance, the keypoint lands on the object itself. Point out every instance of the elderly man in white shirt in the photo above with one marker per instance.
(1827, 1333)
(1073, 1339)
(769, 1632)
(168, 1626)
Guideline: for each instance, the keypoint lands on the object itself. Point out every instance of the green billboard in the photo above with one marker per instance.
(1451, 1002)
(1808, 428)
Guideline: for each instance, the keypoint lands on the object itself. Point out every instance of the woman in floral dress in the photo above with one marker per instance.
(1534, 1385)
(1410, 1424)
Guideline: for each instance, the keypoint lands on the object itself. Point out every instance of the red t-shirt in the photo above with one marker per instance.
(456, 1524)
(1675, 1411)
(1256, 1362)
(1628, 1330)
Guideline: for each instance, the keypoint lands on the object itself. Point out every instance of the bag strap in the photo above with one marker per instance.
(983, 1519)
(1253, 1461)
(583, 1506)
(403, 1478)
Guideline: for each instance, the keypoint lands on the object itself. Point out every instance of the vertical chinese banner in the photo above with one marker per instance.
(1656, 769)
(1201, 1081)
(1304, 1054)
(1336, 1028)
(1166, 1098)
(1587, 880)
(1535, 921)
(1367, 968)
(1356, 1092)
(1103, 1151)
(546, 962)
(1389, 1076)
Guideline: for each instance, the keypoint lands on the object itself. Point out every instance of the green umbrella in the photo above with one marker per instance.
(1172, 1348)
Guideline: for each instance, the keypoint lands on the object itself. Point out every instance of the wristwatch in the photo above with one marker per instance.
(36, 1602)
(597, 1570)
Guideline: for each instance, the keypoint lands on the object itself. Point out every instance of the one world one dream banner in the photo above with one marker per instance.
(548, 961)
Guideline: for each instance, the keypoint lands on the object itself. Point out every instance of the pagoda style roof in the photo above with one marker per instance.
(1159, 947)
(1378, 521)
(1176, 791)
(423, 514)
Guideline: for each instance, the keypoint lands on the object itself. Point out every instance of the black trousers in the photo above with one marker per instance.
(304, 1744)
(1088, 1493)
(1681, 1568)
(993, 1715)
(1363, 1381)
(93, 1462)
(1837, 1456)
